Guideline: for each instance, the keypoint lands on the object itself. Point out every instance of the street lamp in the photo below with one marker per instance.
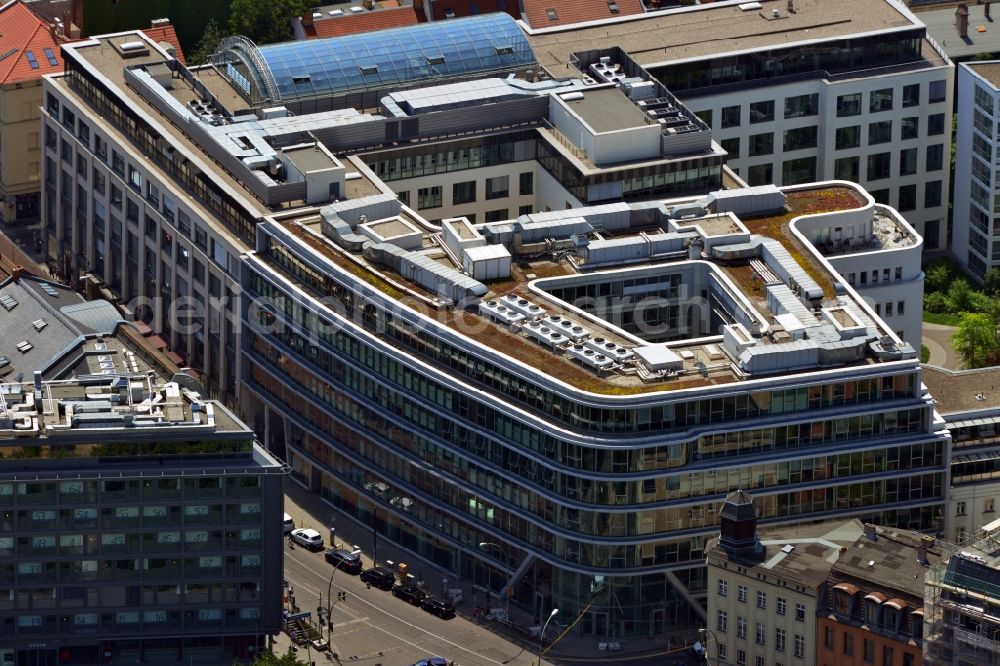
(705, 634)
(329, 601)
(541, 634)
(506, 562)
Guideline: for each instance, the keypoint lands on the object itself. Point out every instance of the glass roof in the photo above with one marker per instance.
(440, 49)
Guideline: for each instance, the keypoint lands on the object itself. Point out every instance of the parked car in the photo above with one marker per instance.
(381, 578)
(289, 524)
(433, 661)
(410, 593)
(440, 607)
(344, 560)
(307, 538)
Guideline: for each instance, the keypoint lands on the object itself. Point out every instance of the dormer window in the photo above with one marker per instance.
(892, 613)
(872, 608)
(843, 598)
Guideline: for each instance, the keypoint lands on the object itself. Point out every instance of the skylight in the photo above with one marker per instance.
(552, 14)
(51, 56)
(31, 59)
(8, 53)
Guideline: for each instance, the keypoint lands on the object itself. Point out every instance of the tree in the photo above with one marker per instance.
(975, 339)
(207, 45)
(936, 277)
(265, 21)
(991, 281)
(959, 296)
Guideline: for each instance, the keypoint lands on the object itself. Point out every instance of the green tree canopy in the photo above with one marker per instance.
(991, 281)
(960, 296)
(207, 45)
(936, 277)
(975, 339)
(265, 21)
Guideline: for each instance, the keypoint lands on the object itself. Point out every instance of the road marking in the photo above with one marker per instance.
(354, 621)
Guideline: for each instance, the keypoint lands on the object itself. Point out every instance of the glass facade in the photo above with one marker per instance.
(490, 43)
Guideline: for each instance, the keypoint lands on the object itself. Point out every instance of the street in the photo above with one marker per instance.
(373, 627)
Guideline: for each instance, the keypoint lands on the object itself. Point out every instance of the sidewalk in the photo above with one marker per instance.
(309, 510)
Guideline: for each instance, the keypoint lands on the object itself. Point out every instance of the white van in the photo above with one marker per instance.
(289, 524)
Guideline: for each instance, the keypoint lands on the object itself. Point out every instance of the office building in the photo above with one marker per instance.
(801, 91)
(140, 523)
(962, 596)
(974, 243)
(390, 249)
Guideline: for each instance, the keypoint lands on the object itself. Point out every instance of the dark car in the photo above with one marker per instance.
(344, 560)
(379, 577)
(443, 609)
(433, 661)
(410, 593)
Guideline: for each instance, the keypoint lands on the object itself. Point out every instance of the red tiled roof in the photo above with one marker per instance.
(349, 24)
(463, 8)
(166, 33)
(23, 34)
(536, 12)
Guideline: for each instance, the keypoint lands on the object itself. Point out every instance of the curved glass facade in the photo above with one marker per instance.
(462, 47)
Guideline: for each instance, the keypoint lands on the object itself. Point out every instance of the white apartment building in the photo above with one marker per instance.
(976, 236)
(802, 91)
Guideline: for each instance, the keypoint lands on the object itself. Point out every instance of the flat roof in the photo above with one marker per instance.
(990, 71)
(310, 158)
(606, 109)
(941, 26)
(712, 30)
(958, 391)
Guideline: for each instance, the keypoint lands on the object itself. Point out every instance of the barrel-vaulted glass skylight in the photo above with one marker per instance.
(440, 49)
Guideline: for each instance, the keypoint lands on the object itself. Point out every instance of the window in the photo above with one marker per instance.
(741, 593)
(760, 637)
(134, 178)
(935, 124)
(497, 187)
(848, 137)
(762, 112)
(731, 146)
(880, 100)
(429, 197)
(900, 307)
(908, 162)
(117, 163)
(847, 168)
(760, 174)
(801, 170)
(758, 661)
(879, 166)
(908, 197)
(849, 105)
(988, 506)
(101, 148)
(828, 638)
(521, 210)
(722, 650)
(464, 192)
(404, 197)
(802, 105)
(911, 95)
(887, 656)
(800, 645)
(731, 116)
(779, 640)
(741, 627)
(869, 651)
(723, 587)
(959, 508)
(496, 215)
(97, 176)
(761, 144)
(116, 197)
(721, 620)
(83, 133)
(526, 183)
(780, 605)
(741, 657)
(800, 612)
(936, 91)
(880, 132)
(935, 157)
(761, 599)
(799, 138)
(152, 194)
(910, 128)
(848, 644)
(908, 659)
(705, 116)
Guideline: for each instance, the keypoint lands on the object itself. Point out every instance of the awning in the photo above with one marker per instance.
(877, 597)
(157, 342)
(142, 327)
(175, 357)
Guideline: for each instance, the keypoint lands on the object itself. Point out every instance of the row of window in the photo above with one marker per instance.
(868, 646)
(780, 605)
(116, 543)
(798, 648)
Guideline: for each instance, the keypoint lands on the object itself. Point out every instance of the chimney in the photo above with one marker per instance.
(962, 20)
(17, 273)
(986, 10)
(927, 541)
(871, 532)
(77, 13)
(922, 555)
(791, 6)
(159, 23)
(307, 19)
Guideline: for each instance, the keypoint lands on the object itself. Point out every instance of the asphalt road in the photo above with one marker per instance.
(373, 628)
